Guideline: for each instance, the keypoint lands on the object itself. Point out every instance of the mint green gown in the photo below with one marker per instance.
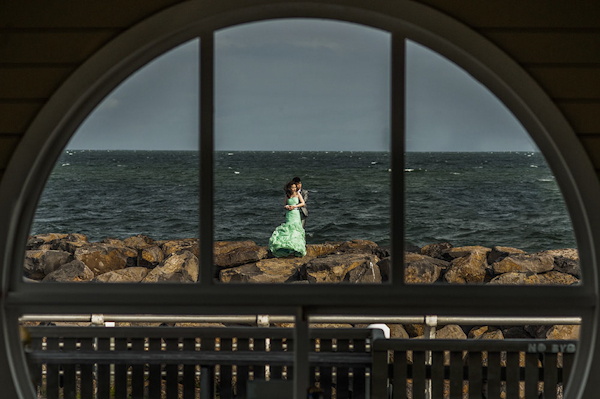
(288, 238)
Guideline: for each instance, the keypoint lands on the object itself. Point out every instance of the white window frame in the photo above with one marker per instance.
(26, 174)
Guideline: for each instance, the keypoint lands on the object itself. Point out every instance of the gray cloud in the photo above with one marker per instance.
(302, 85)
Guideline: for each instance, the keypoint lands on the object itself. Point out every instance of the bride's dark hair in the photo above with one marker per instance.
(288, 188)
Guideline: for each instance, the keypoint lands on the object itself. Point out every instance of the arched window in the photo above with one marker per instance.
(72, 103)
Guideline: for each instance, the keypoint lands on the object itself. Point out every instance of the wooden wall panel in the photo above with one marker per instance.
(17, 116)
(18, 46)
(522, 14)
(554, 47)
(568, 82)
(77, 14)
(584, 117)
(30, 82)
(592, 146)
(7, 146)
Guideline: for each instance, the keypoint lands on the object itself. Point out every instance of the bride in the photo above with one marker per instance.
(288, 239)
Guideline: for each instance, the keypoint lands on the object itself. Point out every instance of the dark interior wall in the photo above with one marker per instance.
(42, 43)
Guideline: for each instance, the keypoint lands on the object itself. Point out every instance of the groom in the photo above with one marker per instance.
(304, 194)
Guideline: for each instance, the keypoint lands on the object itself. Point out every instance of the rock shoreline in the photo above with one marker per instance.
(140, 259)
(72, 258)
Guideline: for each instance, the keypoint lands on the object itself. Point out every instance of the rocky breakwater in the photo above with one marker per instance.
(71, 257)
(140, 259)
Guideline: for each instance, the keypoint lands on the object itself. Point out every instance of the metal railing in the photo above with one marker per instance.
(431, 322)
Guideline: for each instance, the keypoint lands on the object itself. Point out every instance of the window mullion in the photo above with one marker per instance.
(397, 96)
(206, 158)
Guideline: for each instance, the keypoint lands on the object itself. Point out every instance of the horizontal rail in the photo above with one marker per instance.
(265, 320)
(239, 358)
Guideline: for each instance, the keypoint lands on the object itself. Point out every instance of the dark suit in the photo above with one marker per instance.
(303, 209)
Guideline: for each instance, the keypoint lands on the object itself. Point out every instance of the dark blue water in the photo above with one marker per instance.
(465, 198)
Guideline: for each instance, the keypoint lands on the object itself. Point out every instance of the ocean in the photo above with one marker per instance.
(508, 199)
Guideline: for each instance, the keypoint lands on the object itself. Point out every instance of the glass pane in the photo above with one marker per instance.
(308, 99)
(482, 205)
(121, 204)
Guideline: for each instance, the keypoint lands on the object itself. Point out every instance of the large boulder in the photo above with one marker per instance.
(549, 278)
(360, 246)
(180, 267)
(571, 253)
(567, 265)
(492, 333)
(437, 250)
(367, 272)
(186, 244)
(422, 269)
(43, 241)
(498, 253)
(471, 268)
(230, 253)
(39, 263)
(524, 263)
(273, 270)
(337, 268)
(461, 252)
(398, 331)
(450, 331)
(127, 275)
(102, 258)
(570, 332)
(315, 250)
(138, 242)
(415, 330)
(58, 242)
(150, 256)
(73, 272)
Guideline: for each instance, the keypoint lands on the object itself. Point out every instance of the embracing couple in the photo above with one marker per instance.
(288, 239)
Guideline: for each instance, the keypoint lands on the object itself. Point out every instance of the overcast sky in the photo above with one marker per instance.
(302, 85)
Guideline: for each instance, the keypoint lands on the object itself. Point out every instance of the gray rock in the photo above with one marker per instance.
(358, 246)
(39, 263)
(226, 254)
(180, 267)
(461, 252)
(127, 275)
(102, 258)
(570, 332)
(150, 256)
(186, 244)
(398, 331)
(422, 269)
(366, 272)
(567, 265)
(336, 268)
(274, 270)
(571, 253)
(315, 250)
(438, 250)
(451, 331)
(499, 253)
(138, 242)
(72, 272)
(524, 263)
(415, 330)
(468, 269)
(549, 278)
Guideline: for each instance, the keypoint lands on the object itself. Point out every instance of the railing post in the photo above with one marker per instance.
(430, 327)
(301, 349)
